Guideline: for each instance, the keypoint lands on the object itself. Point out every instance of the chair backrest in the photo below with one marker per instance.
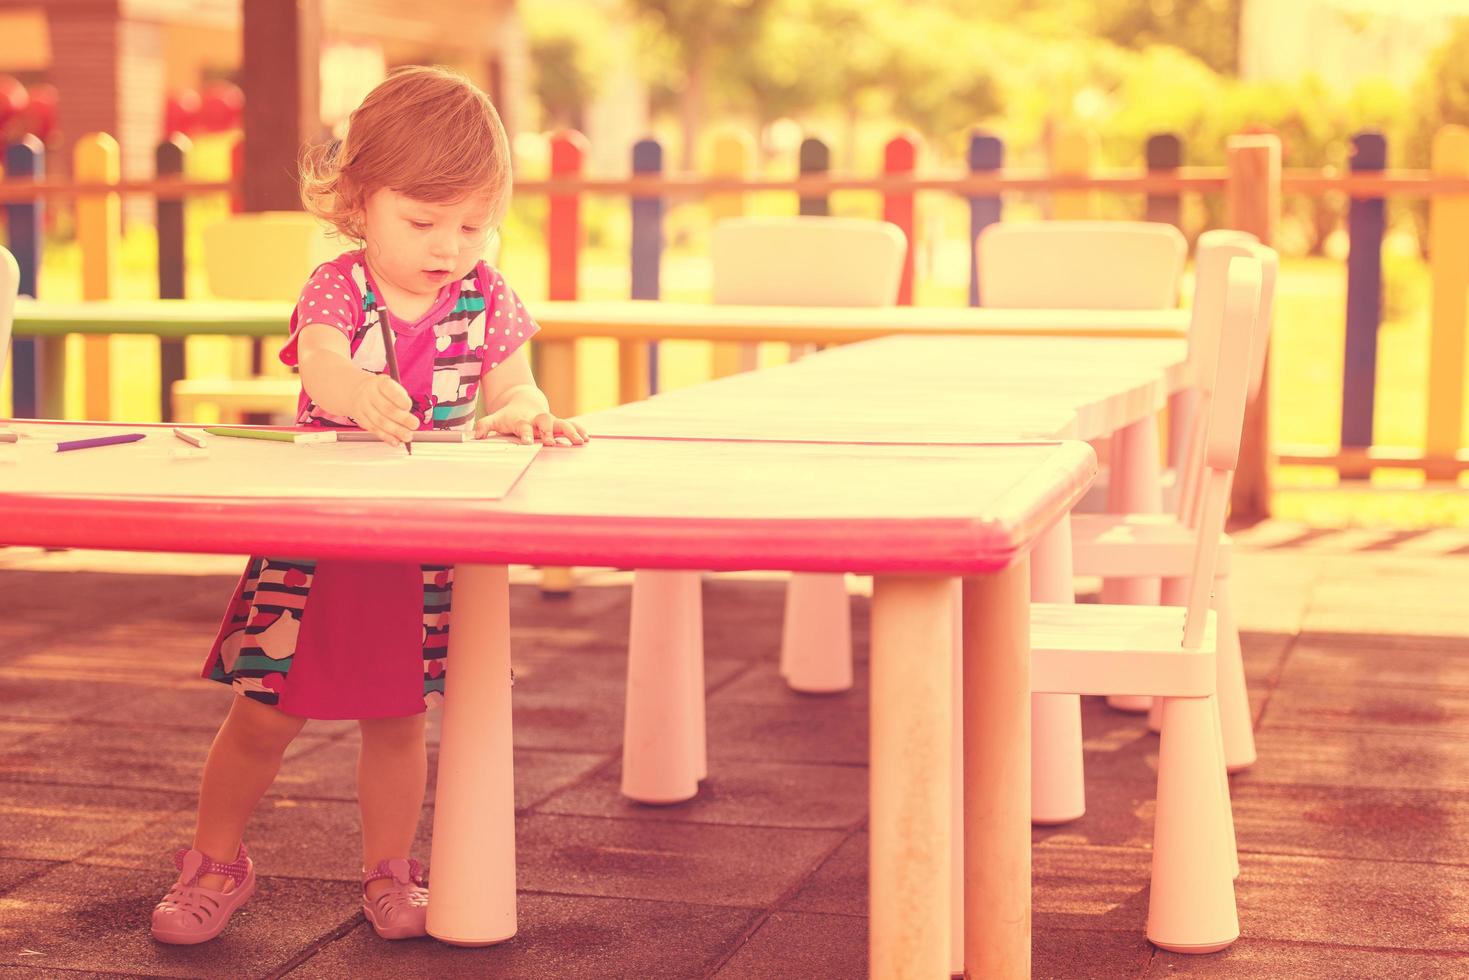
(1224, 422)
(9, 286)
(1121, 265)
(1215, 257)
(807, 261)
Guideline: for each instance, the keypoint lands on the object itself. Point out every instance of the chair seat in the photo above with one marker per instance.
(1138, 546)
(1106, 649)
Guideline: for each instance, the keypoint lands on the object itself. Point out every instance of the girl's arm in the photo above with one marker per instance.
(515, 406)
(374, 401)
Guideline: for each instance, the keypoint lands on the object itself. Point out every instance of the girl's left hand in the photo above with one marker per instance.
(528, 424)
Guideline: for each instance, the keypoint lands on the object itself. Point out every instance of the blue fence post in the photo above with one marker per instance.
(1365, 221)
(647, 240)
(1164, 155)
(815, 161)
(26, 159)
(986, 155)
(169, 162)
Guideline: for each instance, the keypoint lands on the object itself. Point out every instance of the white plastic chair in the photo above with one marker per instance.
(1170, 652)
(9, 287)
(1161, 545)
(264, 255)
(802, 261)
(1121, 265)
(807, 261)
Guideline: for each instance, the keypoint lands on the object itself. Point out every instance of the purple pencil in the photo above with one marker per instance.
(69, 445)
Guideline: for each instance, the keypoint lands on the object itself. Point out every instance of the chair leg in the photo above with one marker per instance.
(661, 744)
(816, 641)
(1191, 907)
(1172, 592)
(1057, 778)
(1234, 697)
(1224, 796)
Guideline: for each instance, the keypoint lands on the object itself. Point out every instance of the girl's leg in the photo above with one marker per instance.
(242, 764)
(391, 772)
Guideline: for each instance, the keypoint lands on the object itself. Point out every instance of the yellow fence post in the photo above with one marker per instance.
(96, 160)
(730, 153)
(1073, 149)
(1254, 206)
(1448, 252)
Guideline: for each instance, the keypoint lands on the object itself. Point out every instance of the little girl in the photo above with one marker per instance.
(421, 180)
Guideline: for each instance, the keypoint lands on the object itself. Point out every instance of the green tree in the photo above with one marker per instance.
(1206, 29)
(568, 60)
(695, 35)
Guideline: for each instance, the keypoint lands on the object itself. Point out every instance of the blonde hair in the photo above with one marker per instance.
(427, 133)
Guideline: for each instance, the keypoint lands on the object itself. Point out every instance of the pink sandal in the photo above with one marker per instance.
(401, 912)
(191, 913)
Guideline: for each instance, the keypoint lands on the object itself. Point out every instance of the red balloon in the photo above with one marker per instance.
(221, 108)
(13, 98)
(41, 115)
(181, 112)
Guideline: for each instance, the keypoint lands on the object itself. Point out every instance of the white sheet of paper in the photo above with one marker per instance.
(479, 469)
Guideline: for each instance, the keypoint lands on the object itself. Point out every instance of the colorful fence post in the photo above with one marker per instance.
(814, 161)
(556, 361)
(169, 162)
(637, 361)
(1254, 206)
(1448, 250)
(1365, 223)
(97, 159)
(900, 159)
(730, 154)
(26, 158)
(986, 156)
(1163, 154)
(1072, 151)
(237, 174)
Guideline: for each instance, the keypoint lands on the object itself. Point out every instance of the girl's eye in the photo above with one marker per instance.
(470, 230)
(420, 225)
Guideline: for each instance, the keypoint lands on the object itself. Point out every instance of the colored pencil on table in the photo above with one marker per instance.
(274, 435)
(427, 435)
(392, 356)
(193, 439)
(7, 436)
(68, 445)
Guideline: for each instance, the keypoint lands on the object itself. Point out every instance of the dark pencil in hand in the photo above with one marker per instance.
(392, 356)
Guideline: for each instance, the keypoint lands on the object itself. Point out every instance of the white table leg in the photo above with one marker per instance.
(997, 773)
(1136, 488)
(816, 636)
(1181, 407)
(663, 740)
(472, 891)
(956, 804)
(1057, 778)
(911, 743)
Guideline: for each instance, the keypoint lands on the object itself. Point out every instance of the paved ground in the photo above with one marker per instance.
(1353, 826)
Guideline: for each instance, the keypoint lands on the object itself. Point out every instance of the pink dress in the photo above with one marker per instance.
(352, 639)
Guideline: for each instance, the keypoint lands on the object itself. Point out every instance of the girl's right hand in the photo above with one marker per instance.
(380, 405)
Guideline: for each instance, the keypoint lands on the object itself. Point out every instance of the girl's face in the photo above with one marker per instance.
(418, 246)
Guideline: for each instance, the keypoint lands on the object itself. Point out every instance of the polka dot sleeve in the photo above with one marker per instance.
(329, 297)
(507, 322)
